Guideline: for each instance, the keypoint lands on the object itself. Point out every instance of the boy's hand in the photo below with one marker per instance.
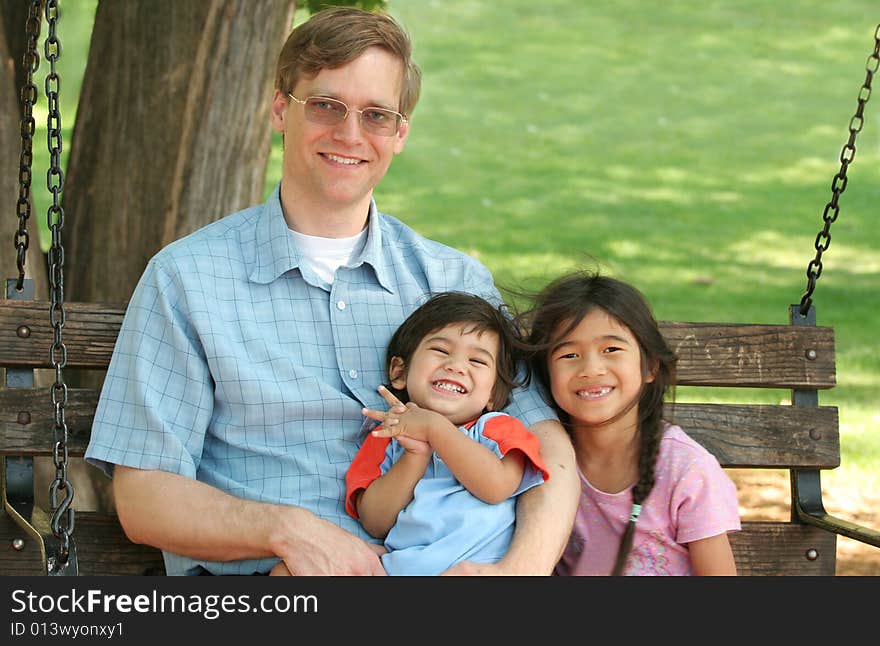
(414, 446)
(408, 423)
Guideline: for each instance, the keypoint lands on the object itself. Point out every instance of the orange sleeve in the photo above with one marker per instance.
(365, 468)
(509, 433)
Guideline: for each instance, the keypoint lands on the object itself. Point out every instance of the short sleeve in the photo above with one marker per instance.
(366, 467)
(157, 398)
(704, 500)
(508, 433)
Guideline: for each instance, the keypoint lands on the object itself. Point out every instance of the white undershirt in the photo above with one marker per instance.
(325, 255)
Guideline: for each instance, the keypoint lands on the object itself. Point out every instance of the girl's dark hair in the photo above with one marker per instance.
(448, 308)
(557, 310)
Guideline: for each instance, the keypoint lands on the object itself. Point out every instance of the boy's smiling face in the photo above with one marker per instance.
(452, 371)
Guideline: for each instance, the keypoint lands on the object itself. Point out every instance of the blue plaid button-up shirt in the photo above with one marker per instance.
(236, 367)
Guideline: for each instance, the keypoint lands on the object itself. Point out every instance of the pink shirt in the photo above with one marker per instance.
(692, 498)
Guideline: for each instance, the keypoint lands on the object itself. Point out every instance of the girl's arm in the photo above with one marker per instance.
(712, 556)
(379, 504)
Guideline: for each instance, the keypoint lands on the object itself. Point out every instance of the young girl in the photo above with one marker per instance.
(653, 501)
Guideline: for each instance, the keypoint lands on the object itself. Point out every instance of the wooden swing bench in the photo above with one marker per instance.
(801, 437)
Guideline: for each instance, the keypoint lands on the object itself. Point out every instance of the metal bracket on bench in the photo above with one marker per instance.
(806, 486)
(17, 478)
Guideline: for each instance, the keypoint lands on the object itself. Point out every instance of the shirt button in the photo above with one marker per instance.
(340, 305)
(353, 373)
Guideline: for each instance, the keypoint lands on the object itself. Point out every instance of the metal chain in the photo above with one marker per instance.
(63, 516)
(31, 63)
(838, 185)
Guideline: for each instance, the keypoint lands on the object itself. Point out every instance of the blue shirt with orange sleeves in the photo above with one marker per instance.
(445, 523)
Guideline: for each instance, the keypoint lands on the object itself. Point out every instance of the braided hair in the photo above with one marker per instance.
(557, 310)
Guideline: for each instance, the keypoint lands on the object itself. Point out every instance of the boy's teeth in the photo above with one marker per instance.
(343, 160)
(450, 387)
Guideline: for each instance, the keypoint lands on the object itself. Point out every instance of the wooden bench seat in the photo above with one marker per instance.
(802, 438)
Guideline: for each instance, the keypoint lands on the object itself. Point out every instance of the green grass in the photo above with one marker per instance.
(688, 147)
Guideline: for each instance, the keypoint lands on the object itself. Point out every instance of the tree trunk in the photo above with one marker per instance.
(172, 131)
(14, 15)
(12, 44)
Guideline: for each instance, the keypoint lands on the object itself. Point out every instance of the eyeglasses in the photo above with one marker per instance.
(331, 112)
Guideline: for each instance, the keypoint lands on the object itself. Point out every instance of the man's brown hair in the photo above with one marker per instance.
(336, 36)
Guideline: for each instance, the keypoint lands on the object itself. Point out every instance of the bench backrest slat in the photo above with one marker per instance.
(89, 334)
(779, 437)
(748, 355)
(713, 354)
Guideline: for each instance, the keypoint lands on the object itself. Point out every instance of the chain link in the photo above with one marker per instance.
(838, 185)
(63, 515)
(31, 63)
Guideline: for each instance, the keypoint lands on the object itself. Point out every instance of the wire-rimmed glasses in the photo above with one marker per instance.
(331, 112)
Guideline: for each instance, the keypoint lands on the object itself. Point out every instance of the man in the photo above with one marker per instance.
(250, 347)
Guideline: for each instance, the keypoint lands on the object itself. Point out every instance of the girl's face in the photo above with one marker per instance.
(452, 372)
(596, 371)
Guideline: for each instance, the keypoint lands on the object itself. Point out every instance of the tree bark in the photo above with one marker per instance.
(172, 131)
(12, 75)
(14, 15)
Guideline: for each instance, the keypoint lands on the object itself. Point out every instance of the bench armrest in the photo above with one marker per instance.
(843, 527)
(806, 496)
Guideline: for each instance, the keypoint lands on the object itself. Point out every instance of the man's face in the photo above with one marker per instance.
(334, 167)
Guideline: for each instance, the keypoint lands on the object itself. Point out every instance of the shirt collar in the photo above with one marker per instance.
(467, 425)
(276, 251)
(372, 253)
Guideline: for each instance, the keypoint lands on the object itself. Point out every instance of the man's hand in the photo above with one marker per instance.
(311, 546)
(280, 568)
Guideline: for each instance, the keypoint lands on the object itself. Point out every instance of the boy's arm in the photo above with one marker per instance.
(544, 515)
(477, 467)
(379, 504)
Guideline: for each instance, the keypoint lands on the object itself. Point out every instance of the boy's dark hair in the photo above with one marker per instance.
(479, 315)
(558, 309)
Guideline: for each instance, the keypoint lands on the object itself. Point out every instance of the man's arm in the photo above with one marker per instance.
(187, 517)
(544, 514)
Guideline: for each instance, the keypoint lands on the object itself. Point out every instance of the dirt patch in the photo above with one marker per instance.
(764, 495)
